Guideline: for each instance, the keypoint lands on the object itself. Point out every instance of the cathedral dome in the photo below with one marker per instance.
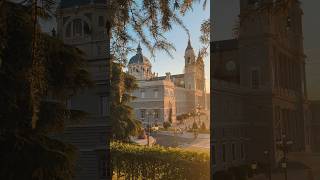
(139, 58)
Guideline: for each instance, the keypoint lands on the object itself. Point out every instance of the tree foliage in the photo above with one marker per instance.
(124, 124)
(27, 151)
(140, 162)
(205, 37)
(147, 21)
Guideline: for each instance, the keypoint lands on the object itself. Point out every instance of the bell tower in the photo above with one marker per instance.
(190, 67)
(189, 55)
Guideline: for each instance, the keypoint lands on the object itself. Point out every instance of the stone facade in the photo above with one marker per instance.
(82, 24)
(261, 78)
(229, 132)
(160, 99)
(155, 101)
(315, 126)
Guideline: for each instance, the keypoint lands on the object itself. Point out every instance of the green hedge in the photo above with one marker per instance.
(139, 162)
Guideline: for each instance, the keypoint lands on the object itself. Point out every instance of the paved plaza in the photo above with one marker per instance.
(187, 140)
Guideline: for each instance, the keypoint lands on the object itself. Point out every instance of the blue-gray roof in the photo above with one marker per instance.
(72, 3)
(139, 58)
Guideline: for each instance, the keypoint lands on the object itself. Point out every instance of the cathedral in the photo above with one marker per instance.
(162, 98)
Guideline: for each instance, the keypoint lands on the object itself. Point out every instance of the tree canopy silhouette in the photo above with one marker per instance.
(27, 150)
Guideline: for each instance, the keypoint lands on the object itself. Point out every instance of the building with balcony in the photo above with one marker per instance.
(259, 85)
(81, 23)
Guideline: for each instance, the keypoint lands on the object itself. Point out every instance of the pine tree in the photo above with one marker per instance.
(27, 149)
(124, 124)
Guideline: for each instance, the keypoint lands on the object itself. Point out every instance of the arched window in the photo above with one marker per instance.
(68, 30)
(86, 28)
(77, 27)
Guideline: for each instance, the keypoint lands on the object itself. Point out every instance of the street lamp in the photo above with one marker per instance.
(195, 125)
(187, 123)
(284, 166)
(199, 113)
(288, 25)
(149, 125)
(199, 117)
(283, 145)
(267, 154)
(194, 115)
(254, 166)
(148, 136)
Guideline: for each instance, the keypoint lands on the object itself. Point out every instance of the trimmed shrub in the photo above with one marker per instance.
(141, 162)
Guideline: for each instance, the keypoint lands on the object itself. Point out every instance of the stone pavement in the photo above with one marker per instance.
(312, 160)
(188, 135)
(292, 175)
(144, 142)
(202, 141)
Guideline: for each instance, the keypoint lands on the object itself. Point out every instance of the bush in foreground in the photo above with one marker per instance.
(140, 162)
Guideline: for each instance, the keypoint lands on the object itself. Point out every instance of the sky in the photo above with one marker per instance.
(163, 63)
(225, 12)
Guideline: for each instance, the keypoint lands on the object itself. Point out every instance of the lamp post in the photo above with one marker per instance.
(283, 145)
(267, 154)
(148, 136)
(194, 115)
(149, 125)
(199, 117)
(254, 166)
(188, 122)
(199, 113)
